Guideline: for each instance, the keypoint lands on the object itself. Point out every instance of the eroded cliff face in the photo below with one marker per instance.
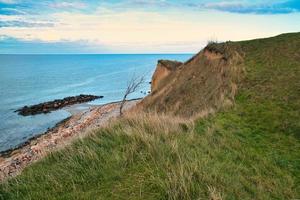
(201, 85)
(163, 69)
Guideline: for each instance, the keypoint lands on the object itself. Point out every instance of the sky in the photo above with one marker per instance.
(138, 26)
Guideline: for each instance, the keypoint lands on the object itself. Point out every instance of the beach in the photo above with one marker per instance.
(84, 119)
(27, 80)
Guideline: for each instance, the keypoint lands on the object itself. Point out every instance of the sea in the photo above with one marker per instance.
(33, 79)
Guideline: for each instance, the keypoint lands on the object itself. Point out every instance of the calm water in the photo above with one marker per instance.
(32, 79)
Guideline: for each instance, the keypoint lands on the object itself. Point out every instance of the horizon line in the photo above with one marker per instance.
(97, 53)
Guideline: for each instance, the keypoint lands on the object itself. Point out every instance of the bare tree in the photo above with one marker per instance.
(132, 86)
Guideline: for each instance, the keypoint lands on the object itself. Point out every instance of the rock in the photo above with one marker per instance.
(55, 105)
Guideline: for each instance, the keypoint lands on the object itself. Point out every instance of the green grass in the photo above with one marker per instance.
(251, 151)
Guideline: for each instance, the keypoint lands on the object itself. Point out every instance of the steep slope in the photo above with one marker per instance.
(201, 85)
(249, 150)
(164, 68)
(212, 78)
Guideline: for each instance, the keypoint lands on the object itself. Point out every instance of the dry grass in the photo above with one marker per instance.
(250, 151)
(152, 156)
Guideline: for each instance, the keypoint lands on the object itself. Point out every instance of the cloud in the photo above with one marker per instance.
(15, 7)
(11, 45)
(7, 1)
(20, 24)
(127, 31)
(280, 7)
(144, 26)
(68, 5)
(143, 31)
(11, 11)
(148, 3)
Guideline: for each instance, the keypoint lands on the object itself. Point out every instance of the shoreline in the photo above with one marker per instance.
(7, 152)
(14, 160)
(73, 110)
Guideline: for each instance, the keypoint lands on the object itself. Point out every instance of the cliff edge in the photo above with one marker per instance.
(164, 68)
(201, 85)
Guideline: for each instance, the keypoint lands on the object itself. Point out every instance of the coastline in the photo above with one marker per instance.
(14, 160)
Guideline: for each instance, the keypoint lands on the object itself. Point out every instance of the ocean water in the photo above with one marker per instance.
(32, 79)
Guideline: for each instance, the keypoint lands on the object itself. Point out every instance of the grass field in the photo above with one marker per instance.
(249, 151)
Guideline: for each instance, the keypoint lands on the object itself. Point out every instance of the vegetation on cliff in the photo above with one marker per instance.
(247, 146)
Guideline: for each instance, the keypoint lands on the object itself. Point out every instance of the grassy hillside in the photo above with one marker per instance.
(250, 150)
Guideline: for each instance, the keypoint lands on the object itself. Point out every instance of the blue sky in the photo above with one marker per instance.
(138, 26)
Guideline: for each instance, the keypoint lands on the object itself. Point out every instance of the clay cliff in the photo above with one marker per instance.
(201, 85)
(164, 68)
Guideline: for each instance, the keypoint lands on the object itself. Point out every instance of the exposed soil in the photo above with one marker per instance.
(203, 84)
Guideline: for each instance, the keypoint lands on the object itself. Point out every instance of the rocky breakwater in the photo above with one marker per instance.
(163, 69)
(55, 105)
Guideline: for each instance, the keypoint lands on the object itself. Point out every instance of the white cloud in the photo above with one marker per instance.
(14, 10)
(68, 5)
(150, 31)
(224, 4)
(7, 1)
(9, 17)
(266, 7)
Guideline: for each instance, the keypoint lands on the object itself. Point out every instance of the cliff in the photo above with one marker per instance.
(203, 84)
(163, 69)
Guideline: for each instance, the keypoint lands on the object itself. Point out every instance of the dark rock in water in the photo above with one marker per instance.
(55, 105)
